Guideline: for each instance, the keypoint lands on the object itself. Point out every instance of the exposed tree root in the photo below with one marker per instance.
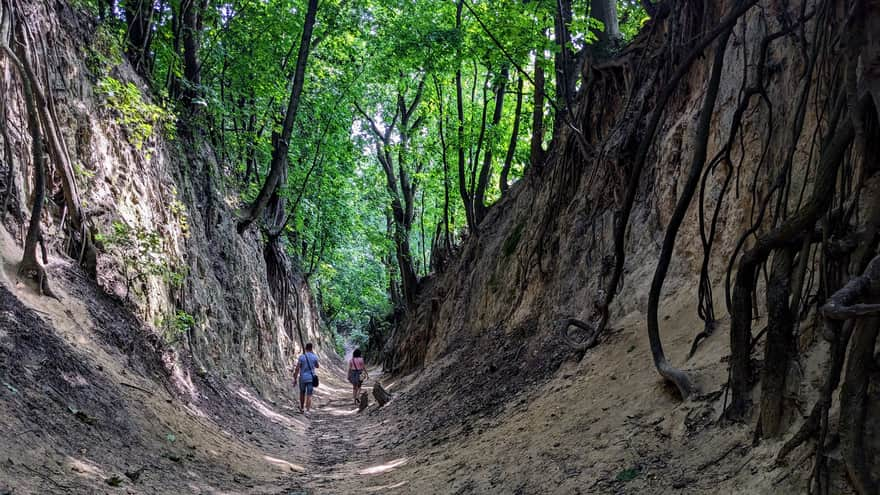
(29, 265)
(32, 269)
(786, 234)
(854, 392)
(810, 427)
(666, 370)
(641, 156)
(579, 345)
(780, 348)
(854, 404)
(382, 397)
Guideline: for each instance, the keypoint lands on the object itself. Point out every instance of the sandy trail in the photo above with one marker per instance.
(345, 453)
(58, 358)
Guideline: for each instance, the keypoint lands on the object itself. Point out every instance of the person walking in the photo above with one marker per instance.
(305, 369)
(357, 373)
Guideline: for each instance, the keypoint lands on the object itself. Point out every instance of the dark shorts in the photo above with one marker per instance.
(306, 387)
(354, 377)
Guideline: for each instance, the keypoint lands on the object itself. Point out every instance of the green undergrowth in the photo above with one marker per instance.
(175, 326)
(105, 51)
(142, 253)
(139, 118)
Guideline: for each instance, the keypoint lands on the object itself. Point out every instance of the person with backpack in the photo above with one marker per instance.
(357, 373)
(308, 379)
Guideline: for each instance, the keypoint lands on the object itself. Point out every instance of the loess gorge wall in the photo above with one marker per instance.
(546, 250)
(158, 206)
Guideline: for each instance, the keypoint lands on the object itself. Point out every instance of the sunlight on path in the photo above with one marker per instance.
(382, 488)
(344, 453)
(268, 412)
(384, 468)
(286, 464)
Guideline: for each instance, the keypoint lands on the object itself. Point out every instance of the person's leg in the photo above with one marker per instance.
(309, 391)
(302, 395)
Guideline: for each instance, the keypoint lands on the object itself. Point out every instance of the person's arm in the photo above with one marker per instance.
(296, 369)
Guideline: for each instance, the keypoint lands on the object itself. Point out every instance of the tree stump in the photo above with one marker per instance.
(363, 402)
(382, 397)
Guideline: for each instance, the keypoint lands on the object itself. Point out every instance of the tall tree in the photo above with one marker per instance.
(480, 208)
(514, 137)
(605, 11)
(192, 15)
(396, 136)
(281, 142)
(139, 17)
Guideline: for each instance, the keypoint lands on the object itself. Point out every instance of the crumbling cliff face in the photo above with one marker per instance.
(775, 151)
(158, 221)
(154, 349)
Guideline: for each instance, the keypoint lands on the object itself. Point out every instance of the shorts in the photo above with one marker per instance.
(354, 377)
(306, 387)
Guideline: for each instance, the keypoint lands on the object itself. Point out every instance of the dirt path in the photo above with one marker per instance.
(345, 453)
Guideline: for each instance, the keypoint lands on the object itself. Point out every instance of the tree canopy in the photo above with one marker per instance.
(408, 122)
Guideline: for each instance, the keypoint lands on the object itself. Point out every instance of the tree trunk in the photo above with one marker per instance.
(81, 247)
(408, 278)
(392, 267)
(780, 348)
(854, 403)
(282, 141)
(514, 137)
(398, 184)
(459, 106)
(192, 26)
(622, 215)
(446, 235)
(785, 234)
(858, 298)
(536, 152)
(29, 263)
(605, 11)
(564, 67)
(382, 397)
(139, 18)
(480, 208)
(679, 378)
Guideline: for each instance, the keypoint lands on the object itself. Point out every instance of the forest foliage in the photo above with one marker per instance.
(414, 117)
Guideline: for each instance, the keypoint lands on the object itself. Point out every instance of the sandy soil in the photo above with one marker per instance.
(88, 407)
